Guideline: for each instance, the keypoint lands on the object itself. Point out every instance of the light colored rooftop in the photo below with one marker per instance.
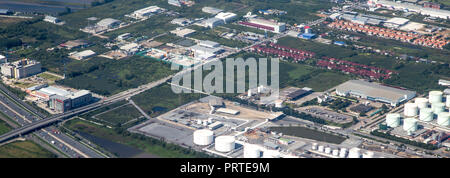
(374, 90)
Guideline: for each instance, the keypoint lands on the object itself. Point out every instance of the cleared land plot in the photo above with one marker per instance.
(120, 115)
(170, 133)
(24, 149)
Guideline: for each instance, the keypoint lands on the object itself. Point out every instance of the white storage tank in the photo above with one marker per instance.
(328, 150)
(421, 102)
(444, 119)
(335, 152)
(210, 120)
(225, 143)
(410, 125)
(252, 151)
(438, 108)
(435, 96)
(314, 146)
(354, 153)
(321, 148)
(369, 154)
(343, 153)
(203, 137)
(447, 102)
(411, 109)
(426, 114)
(393, 120)
(199, 122)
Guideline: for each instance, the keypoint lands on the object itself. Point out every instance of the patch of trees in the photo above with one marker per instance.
(402, 140)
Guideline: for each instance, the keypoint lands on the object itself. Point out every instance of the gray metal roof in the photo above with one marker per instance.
(374, 90)
(107, 22)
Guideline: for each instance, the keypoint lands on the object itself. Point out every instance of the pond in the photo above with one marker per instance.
(309, 134)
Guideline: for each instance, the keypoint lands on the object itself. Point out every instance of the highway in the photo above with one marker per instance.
(28, 127)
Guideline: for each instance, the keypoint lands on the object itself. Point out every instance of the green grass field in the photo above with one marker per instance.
(120, 115)
(24, 149)
(4, 127)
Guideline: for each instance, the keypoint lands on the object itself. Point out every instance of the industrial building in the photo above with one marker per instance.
(265, 25)
(3, 59)
(63, 103)
(108, 23)
(6, 12)
(131, 48)
(396, 22)
(181, 21)
(74, 44)
(82, 55)
(212, 22)
(206, 49)
(374, 92)
(211, 10)
(433, 12)
(21, 69)
(183, 32)
(59, 99)
(226, 16)
(146, 12)
(52, 19)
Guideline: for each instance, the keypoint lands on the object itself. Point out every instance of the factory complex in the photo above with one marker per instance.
(264, 24)
(58, 99)
(405, 6)
(374, 91)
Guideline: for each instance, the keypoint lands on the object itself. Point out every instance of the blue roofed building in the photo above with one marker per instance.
(340, 43)
(308, 36)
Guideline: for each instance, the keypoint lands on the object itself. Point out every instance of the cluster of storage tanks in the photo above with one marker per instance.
(205, 137)
(342, 152)
(420, 108)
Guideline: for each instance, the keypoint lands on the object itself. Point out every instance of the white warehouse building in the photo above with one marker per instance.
(226, 16)
(374, 92)
(146, 12)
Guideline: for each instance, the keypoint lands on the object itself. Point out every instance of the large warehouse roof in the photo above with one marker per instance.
(374, 90)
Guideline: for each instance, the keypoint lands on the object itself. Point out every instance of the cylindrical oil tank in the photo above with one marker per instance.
(343, 153)
(225, 143)
(314, 146)
(435, 96)
(411, 109)
(447, 103)
(438, 108)
(354, 153)
(321, 148)
(328, 150)
(210, 120)
(252, 151)
(199, 122)
(369, 154)
(421, 102)
(393, 120)
(444, 119)
(335, 152)
(203, 137)
(426, 114)
(410, 124)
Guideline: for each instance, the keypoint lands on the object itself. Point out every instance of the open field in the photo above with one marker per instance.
(141, 142)
(120, 115)
(24, 149)
(4, 127)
